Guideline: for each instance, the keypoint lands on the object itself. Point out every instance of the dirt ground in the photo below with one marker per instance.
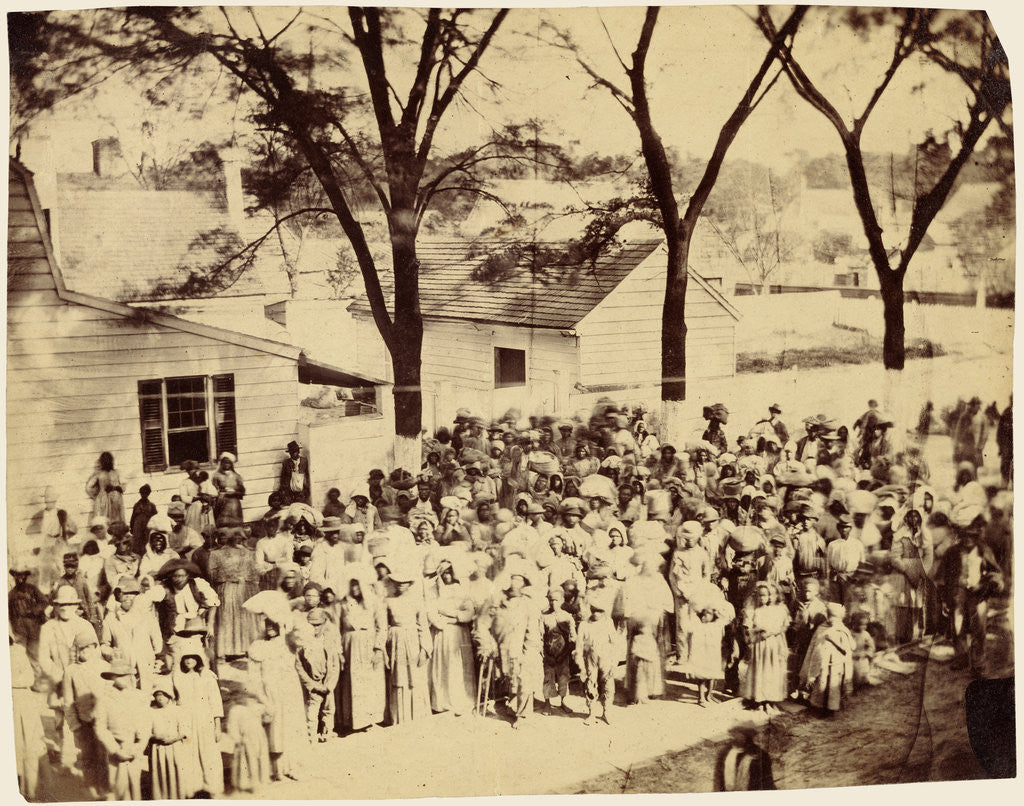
(909, 729)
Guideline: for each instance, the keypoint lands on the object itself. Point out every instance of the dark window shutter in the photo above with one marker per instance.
(151, 416)
(224, 413)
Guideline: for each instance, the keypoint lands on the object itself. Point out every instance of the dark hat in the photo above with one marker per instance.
(376, 474)
(189, 466)
(731, 488)
(776, 408)
(177, 564)
(305, 548)
(293, 446)
(118, 529)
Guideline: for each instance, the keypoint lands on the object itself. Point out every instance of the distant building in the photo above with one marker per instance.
(86, 374)
(508, 325)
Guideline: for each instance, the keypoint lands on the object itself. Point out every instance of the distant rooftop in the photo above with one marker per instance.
(531, 288)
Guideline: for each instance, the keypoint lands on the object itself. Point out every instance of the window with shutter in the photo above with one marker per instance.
(154, 457)
(224, 413)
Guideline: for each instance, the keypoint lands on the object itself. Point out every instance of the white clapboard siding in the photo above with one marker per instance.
(72, 375)
(369, 443)
(620, 339)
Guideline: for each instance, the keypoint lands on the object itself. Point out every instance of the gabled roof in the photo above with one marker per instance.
(129, 312)
(534, 289)
(120, 241)
(531, 291)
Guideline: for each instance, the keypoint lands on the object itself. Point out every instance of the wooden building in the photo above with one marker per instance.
(87, 374)
(508, 325)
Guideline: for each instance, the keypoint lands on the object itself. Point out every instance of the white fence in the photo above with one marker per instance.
(952, 326)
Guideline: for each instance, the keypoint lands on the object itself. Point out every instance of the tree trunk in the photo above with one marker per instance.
(893, 354)
(408, 337)
(673, 321)
(673, 338)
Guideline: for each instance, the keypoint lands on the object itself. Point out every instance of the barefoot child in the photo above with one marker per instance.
(597, 656)
(863, 651)
(559, 643)
(707, 663)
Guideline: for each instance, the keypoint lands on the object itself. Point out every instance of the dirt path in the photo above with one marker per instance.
(911, 728)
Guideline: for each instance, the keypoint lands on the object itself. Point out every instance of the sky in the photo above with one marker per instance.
(701, 61)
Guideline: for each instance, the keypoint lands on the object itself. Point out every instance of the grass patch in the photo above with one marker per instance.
(866, 352)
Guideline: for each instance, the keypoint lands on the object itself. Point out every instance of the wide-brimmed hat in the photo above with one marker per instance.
(176, 508)
(119, 667)
(189, 466)
(317, 616)
(731, 488)
(293, 446)
(331, 524)
(776, 408)
(177, 564)
(65, 595)
(98, 521)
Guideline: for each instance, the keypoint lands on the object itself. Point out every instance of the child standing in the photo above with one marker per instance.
(597, 656)
(863, 651)
(707, 663)
(827, 673)
(559, 643)
(319, 665)
(250, 762)
(172, 764)
(765, 627)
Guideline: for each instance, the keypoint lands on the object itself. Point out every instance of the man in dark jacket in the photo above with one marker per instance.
(294, 486)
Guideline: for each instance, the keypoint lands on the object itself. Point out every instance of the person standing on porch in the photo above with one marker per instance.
(294, 485)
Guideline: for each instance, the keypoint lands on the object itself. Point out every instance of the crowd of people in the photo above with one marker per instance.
(183, 652)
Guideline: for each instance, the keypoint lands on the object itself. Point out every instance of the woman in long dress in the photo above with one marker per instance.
(227, 511)
(235, 577)
(173, 761)
(363, 632)
(29, 744)
(104, 488)
(188, 490)
(408, 649)
(450, 612)
(765, 627)
(912, 557)
(198, 694)
(274, 679)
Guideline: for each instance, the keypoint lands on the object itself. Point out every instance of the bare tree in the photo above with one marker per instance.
(961, 43)
(387, 137)
(746, 212)
(664, 206)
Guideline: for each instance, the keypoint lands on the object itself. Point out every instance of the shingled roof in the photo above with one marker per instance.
(531, 287)
(126, 243)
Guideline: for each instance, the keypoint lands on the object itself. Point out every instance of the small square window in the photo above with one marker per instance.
(509, 367)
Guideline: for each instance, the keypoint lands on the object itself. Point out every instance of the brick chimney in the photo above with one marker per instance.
(107, 159)
(231, 160)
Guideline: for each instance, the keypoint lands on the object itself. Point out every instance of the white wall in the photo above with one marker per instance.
(621, 337)
(72, 374)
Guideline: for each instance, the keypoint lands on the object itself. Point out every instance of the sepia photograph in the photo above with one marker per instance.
(417, 402)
